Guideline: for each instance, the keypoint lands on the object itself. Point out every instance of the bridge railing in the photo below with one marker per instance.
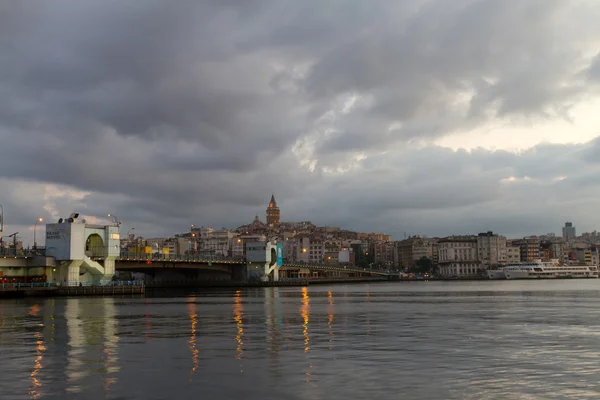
(107, 283)
(178, 257)
(338, 267)
(25, 285)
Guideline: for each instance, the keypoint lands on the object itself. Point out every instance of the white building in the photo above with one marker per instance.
(315, 249)
(304, 249)
(219, 242)
(238, 244)
(557, 249)
(491, 249)
(457, 257)
(513, 252)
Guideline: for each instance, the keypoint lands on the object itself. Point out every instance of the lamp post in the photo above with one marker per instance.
(193, 245)
(115, 219)
(129, 241)
(34, 231)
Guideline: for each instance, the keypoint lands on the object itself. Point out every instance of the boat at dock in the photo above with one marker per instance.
(496, 274)
(538, 269)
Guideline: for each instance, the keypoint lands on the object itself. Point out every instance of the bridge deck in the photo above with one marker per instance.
(181, 259)
(345, 268)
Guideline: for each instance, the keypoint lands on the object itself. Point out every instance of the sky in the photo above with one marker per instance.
(429, 117)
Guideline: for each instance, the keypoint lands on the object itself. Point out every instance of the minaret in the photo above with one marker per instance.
(273, 212)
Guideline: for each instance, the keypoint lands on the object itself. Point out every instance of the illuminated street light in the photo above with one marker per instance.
(115, 219)
(34, 231)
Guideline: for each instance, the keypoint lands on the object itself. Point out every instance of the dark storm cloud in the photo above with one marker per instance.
(194, 112)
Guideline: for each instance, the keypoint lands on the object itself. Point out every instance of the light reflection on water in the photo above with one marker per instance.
(36, 384)
(192, 342)
(423, 341)
(238, 311)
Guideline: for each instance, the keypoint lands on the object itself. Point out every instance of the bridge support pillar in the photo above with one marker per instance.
(263, 271)
(109, 268)
(271, 269)
(68, 272)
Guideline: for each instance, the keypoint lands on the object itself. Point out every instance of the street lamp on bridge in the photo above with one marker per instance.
(115, 220)
(34, 231)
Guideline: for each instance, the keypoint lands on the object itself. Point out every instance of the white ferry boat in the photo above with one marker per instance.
(496, 274)
(548, 270)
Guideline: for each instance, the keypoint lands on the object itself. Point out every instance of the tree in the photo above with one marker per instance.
(423, 265)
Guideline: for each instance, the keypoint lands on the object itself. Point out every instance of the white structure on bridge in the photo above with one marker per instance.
(264, 260)
(83, 252)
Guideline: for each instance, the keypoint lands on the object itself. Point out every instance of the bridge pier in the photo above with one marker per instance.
(83, 252)
(264, 260)
(73, 271)
(262, 272)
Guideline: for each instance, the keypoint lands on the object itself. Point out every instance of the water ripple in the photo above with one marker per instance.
(474, 340)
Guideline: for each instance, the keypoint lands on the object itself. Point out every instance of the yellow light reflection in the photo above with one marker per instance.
(368, 315)
(34, 310)
(238, 312)
(330, 313)
(111, 343)
(35, 382)
(304, 312)
(192, 342)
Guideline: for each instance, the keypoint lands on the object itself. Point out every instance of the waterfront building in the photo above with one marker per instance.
(238, 245)
(219, 242)
(513, 251)
(530, 248)
(383, 252)
(556, 249)
(595, 256)
(407, 252)
(291, 248)
(491, 249)
(458, 257)
(435, 251)
(296, 249)
(316, 251)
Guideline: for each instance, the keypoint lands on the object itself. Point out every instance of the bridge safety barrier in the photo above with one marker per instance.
(22, 285)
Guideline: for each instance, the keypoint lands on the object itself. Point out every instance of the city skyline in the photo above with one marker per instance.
(429, 118)
(272, 205)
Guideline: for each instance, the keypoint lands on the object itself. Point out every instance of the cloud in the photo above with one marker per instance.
(167, 115)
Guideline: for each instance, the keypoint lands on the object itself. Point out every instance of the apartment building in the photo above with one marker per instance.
(491, 249)
(238, 245)
(458, 257)
(218, 242)
(407, 252)
(383, 252)
(530, 248)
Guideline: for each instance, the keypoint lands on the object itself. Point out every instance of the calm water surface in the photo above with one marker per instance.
(473, 340)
